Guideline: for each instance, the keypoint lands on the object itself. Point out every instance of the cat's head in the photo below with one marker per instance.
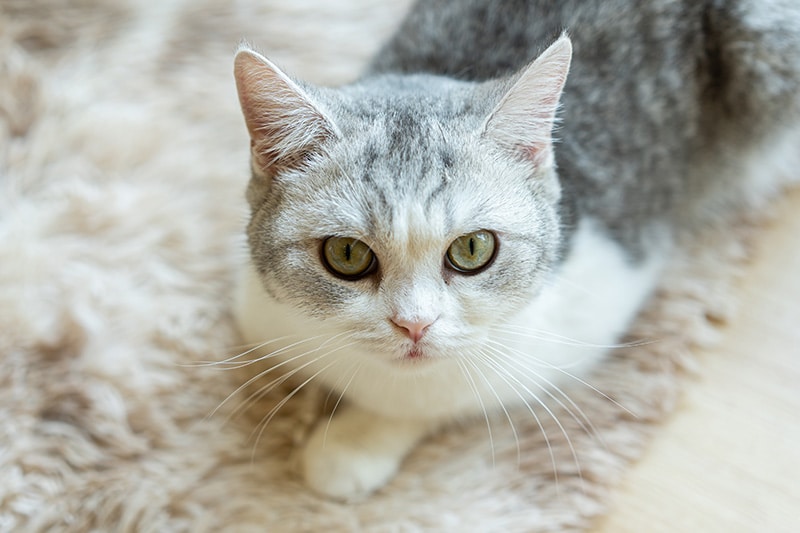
(412, 211)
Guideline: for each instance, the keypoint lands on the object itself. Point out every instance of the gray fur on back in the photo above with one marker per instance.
(664, 98)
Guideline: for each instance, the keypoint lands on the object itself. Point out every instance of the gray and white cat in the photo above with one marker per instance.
(413, 241)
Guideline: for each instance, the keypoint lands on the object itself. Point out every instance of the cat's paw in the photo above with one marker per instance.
(343, 471)
(356, 453)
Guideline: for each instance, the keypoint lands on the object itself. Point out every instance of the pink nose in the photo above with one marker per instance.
(415, 329)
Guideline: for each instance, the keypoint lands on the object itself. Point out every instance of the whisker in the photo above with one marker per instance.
(262, 426)
(249, 348)
(570, 375)
(267, 371)
(336, 405)
(583, 421)
(232, 364)
(285, 349)
(477, 393)
(487, 360)
(544, 406)
(265, 389)
(502, 406)
(556, 338)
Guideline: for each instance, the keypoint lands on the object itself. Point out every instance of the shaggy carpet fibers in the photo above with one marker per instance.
(123, 161)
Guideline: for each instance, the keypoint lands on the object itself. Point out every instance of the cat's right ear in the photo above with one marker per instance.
(286, 127)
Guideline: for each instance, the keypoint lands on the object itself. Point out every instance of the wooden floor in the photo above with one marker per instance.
(729, 459)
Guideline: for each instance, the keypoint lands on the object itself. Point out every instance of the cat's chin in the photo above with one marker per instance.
(410, 364)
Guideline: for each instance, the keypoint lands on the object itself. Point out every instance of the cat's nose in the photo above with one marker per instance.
(414, 329)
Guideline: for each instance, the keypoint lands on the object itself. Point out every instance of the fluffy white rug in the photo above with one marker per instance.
(123, 161)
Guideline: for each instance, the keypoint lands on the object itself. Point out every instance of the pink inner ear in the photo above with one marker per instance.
(523, 121)
(285, 125)
(535, 153)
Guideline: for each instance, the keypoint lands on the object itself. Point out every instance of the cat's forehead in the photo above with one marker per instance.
(425, 209)
(415, 183)
(428, 199)
(412, 167)
(410, 138)
(409, 120)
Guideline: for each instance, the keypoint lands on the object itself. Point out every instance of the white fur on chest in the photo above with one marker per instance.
(563, 332)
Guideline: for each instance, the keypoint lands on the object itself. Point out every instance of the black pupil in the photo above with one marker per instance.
(347, 251)
(471, 246)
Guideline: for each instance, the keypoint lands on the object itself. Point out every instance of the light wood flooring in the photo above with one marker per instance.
(729, 459)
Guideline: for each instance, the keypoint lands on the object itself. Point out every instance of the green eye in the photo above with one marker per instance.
(347, 258)
(472, 252)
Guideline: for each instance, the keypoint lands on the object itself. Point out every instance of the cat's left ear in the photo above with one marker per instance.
(522, 123)
(286, 126)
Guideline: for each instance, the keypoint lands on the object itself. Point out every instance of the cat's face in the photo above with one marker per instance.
(400, 216)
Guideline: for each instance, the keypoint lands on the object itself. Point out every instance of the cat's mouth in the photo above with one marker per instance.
(417, 356)
(416, 353)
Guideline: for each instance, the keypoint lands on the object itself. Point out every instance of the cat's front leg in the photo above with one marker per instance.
(356, 452)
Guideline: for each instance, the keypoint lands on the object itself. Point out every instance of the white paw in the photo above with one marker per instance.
(356, 452)
(342, 471)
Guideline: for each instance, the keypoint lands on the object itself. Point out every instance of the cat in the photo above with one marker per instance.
(416, 235)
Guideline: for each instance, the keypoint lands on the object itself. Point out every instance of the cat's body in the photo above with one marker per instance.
(666, 107)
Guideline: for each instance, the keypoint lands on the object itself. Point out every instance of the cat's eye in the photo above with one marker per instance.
(473, 252)
(347, 258)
